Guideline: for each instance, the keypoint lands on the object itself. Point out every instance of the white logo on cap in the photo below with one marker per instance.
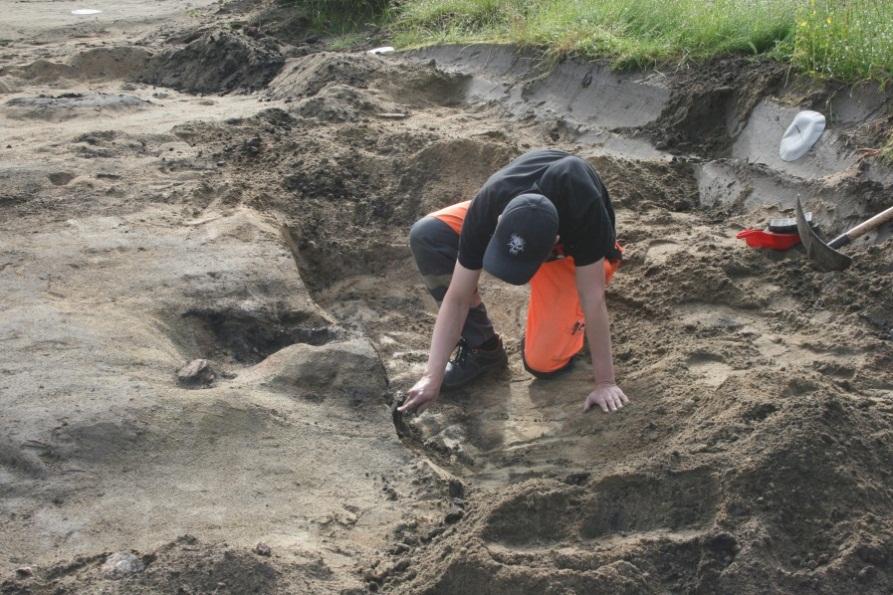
(516, 244)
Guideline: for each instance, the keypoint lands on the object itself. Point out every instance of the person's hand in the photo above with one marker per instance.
(607, 396)
(421, 395)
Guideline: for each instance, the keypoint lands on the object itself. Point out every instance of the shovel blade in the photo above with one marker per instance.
(824, 257)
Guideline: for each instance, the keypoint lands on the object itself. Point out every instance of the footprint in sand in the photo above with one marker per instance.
(711, 368)
(660, 251)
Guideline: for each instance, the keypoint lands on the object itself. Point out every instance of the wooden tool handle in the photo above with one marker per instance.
(862, 229)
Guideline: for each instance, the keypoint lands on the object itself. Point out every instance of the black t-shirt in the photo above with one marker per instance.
(585, 214)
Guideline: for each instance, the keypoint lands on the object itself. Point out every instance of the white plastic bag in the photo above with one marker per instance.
(801, 135)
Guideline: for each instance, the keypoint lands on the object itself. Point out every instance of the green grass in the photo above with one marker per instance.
(347, 40)
(848, 40)
(844, 39)
(886, 152)
(342, 17)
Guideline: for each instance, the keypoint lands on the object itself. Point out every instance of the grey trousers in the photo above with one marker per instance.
(435, 247)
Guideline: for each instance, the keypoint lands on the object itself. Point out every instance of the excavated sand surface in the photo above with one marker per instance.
(253, 212)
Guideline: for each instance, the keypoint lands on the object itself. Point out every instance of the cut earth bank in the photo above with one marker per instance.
(146, 170)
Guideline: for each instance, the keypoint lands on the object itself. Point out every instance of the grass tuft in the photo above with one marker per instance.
(341, 16)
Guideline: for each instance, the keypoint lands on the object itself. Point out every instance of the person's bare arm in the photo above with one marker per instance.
(591, 287)
(460, 296)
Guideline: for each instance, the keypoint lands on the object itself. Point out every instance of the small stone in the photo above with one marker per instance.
(577, 478)
(454, 516)
(24, 572)
(122, 564)
(196, 373)
(867, 573)
(433, 533)
(457, 489)
(262, 549)
(871, 554)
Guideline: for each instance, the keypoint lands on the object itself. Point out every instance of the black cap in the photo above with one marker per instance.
(523, 239)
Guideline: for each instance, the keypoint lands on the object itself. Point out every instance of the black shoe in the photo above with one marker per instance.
(467, 363)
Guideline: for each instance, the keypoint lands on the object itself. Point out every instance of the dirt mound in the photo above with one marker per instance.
(182, 566)
(121, 63)
(114, 63)
(217, 61)
(348, 370)
(8, 85)
(43, 71)
(308, 75)
(404, 83)
(72, 105)
(537, 537)
(754, 519)
(21, 184)
(111, 144)
(342, 103)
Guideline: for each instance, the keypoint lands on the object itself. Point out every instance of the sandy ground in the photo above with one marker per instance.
(28, 21)
(151, 157)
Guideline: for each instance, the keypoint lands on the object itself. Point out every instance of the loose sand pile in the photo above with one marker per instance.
(143, 227)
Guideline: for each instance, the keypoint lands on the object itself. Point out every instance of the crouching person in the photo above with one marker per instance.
(546, 218)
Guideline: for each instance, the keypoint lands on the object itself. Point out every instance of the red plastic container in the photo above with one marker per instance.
(759, 238)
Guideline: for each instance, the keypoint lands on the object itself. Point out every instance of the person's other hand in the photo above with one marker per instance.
(607, 396)
(421, 395)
